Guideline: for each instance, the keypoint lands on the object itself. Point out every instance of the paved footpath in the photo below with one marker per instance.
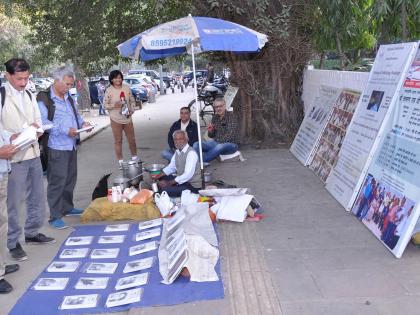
(308, 256)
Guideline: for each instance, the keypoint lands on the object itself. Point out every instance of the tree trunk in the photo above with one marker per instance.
(404, 32)
(322, 60)
(83, 99)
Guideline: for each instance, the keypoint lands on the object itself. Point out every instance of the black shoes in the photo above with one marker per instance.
(11, 268)
(5, 287)
(39, 239)
(18, 253)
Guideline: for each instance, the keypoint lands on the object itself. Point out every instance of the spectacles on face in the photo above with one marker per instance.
(218, 106)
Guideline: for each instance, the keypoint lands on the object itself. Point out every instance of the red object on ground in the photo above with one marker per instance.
(256, 218)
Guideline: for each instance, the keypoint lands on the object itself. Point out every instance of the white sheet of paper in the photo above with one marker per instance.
(233, 208)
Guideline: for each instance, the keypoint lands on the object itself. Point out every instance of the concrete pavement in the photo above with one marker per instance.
(308, 256)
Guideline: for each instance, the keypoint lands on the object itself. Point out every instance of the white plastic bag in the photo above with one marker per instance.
(188, 198)
(163, 202)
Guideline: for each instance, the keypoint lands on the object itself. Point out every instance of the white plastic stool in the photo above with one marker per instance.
(231, 157)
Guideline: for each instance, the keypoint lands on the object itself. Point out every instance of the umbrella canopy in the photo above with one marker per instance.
(207, 34)
(192, 35)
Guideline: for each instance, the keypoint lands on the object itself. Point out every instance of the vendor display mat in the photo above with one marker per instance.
(154, 292)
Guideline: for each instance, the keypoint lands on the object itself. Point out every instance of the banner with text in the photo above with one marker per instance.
(385, 78)
(313, 124)
(328, 146)
(389, 201)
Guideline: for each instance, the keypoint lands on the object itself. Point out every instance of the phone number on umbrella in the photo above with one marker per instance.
(170, 42)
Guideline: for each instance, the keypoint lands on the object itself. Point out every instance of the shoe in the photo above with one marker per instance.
(5, 287)
(11, 268)
(58, 224)
(75, 211)
(205, 164)
(18, 253)
(39, 239)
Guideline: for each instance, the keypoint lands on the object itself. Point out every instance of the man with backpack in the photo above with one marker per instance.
(58, 109)
(19, 110)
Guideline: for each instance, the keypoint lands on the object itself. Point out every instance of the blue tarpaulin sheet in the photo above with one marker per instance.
(154, 294)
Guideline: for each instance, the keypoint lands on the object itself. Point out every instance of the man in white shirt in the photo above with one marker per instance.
(25, 183)
(182, 169)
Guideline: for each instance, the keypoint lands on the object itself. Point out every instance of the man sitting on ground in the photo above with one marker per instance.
(186, 124)
(224, 130)
(181, 171)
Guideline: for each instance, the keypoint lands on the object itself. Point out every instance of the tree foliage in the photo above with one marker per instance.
(87, 32)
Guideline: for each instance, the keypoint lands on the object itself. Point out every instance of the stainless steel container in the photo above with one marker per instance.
(133, 171)
(123, 182)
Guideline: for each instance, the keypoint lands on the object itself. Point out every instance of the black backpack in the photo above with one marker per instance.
(3, 95)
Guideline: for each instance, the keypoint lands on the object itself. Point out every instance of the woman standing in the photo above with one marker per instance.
(120, 103)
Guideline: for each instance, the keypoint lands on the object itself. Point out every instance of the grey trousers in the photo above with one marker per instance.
(3, 223)
(62, 177)
(25, 184)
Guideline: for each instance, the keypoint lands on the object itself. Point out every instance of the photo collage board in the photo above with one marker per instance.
(328, 146)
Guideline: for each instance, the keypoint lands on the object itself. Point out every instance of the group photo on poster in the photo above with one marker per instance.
(329, 144)
(385, 211)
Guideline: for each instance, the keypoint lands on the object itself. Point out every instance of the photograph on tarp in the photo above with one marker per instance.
(361, 140)
(332, 136)
(313, 124)
(388, 201)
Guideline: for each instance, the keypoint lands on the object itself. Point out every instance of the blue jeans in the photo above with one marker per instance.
(212, 149)
(101, 105)
(167, 154)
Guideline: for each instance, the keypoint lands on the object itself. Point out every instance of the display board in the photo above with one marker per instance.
(363, 133)
(388, 202)
(328, 146)
(314, 122)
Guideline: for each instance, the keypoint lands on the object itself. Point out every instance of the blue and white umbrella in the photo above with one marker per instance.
(192, 35)
(207, 34)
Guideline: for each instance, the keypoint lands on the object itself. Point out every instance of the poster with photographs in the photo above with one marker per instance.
(149, 224)
(106, 268)
(143, 248)
(79, 240)
(111, 239)
(102, 253)
(47, 284)
(117, 228)
(137, 265)
(144, 235)
(132, 281)
(124, 297)
(79, 301)
(313, 124)
(388, 201)
(87, 283)
(63, 266)
(372, 113)
(326, 151)
(72, 253)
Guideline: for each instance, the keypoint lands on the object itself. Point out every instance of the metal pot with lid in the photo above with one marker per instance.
(133, 170)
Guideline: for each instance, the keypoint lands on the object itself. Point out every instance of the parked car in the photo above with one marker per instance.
(152, 74)
(41, 83)
(139, 92)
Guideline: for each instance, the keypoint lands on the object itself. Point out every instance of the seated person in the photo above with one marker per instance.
(186, 124)
(224, 129)
(181, 171)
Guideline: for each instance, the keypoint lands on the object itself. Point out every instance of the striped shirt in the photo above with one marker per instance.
(62, 122)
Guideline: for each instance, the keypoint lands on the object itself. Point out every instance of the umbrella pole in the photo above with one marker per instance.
(197, 116)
